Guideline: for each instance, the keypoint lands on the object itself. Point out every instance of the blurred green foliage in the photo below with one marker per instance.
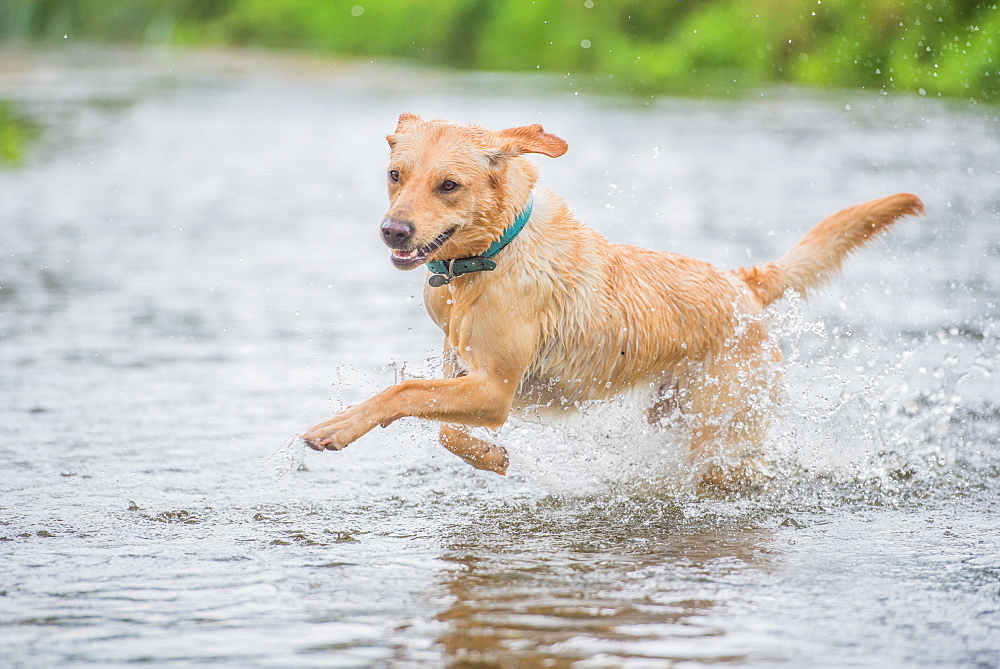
(708, 47)
(16, 134)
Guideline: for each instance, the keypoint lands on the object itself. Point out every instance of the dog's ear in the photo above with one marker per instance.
(406, 121)
(531, 139)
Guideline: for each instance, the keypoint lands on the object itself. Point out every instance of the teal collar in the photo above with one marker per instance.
(443, 271)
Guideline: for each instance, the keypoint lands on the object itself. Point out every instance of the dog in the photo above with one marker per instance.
(540, 312)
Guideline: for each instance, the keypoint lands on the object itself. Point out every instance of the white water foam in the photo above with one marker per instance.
(850, 411)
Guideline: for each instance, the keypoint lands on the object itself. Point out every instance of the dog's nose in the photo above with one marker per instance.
(396, 233)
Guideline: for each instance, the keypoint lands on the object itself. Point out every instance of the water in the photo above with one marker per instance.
(190, 277)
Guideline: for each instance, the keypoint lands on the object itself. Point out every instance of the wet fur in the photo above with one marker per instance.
(568, 316)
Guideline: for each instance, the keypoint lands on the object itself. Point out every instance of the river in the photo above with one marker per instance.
(191, 275)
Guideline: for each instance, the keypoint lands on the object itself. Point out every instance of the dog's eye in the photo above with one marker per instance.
(394, 175)
(449, 186)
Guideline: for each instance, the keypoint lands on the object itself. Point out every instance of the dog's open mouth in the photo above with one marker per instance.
(403, 259)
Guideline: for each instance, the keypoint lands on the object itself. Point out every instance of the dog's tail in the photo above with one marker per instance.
(810, 263)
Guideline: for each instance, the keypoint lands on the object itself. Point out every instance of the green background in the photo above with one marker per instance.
(643, 47)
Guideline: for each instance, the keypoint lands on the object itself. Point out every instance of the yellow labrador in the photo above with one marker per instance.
(540, 311)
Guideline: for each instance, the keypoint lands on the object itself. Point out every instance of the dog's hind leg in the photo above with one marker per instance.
(726, 448)
(731, 407)
(475, 451)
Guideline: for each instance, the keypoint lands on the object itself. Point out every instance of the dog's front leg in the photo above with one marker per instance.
(475, 451)
(467, 400)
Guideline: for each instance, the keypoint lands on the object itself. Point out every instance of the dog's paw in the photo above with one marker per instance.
(490, 459)
(744, 477)
(498, 461)
(340, 431)
(323, 438)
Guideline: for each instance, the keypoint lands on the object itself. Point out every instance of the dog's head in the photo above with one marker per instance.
(454, 188)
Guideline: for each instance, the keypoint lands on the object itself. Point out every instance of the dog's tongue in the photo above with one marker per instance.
(404, 255)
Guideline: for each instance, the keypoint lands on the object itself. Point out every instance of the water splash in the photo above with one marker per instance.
(607, 446)
(857, 419)
(287, 459)
(880, 419)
